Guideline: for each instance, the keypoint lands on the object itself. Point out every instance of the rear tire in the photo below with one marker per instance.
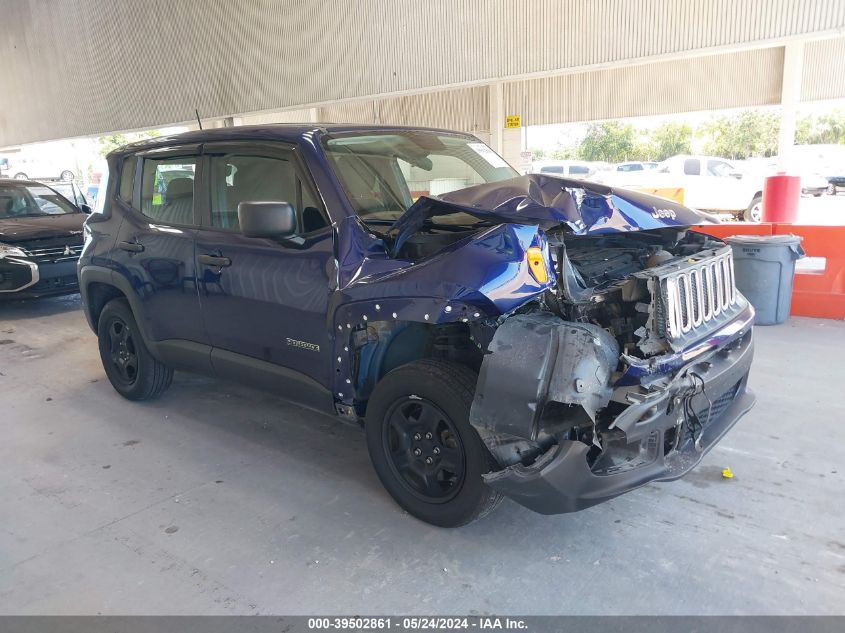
(423, 448)
(131, 369)
(754, 212)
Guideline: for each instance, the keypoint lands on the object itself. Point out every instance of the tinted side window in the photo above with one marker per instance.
(692, 167)
(719, 168)
(551, 169)
(579, 169)
(167, 190)
(127, 179)
(244, 178)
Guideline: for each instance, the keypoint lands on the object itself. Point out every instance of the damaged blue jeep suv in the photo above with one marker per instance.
(548, 340)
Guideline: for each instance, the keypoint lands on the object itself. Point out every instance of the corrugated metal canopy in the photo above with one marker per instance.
(748, 78)
(94, 66)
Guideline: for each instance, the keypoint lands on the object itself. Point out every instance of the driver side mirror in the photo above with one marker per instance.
(85, 208)
(736, 174)
(267, 219)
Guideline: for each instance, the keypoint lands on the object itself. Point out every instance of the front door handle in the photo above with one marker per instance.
(214, 260)
(132, 247)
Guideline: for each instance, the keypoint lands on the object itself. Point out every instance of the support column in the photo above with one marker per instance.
(511, 147)
(790, 95)
(314, 115)
(497, 116)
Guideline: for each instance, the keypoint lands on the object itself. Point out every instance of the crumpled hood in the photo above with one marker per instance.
(548, 201)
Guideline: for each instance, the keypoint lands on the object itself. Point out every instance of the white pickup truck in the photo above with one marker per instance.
(709, 183)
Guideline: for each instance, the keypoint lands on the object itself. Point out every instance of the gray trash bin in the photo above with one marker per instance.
(764, 266)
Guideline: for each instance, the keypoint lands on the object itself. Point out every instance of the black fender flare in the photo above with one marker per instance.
(91, 274)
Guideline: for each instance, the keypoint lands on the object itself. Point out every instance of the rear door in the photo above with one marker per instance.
(264, 302)
(154, 250)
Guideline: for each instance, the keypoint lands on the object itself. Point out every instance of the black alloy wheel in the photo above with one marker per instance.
(132, 370)
(122, 350)
(425, 449)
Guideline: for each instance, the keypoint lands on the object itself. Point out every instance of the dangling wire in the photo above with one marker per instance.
(696, 426)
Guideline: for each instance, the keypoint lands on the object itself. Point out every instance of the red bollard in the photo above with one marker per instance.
(781, 195)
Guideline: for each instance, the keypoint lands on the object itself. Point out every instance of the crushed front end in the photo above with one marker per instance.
(629, 371)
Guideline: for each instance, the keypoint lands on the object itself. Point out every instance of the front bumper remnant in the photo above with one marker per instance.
(659, 436)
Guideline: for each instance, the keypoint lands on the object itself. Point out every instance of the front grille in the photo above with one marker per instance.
(698, 295)
(54, 250)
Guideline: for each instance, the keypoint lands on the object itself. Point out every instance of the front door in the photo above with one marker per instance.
(264, 301)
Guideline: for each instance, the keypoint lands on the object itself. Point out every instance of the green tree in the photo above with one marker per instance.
(609, 141)
(670, 139)
(643, 148)
(830, 128)
(111, 142)
(804, 130)
(751, 133)
(564, 152)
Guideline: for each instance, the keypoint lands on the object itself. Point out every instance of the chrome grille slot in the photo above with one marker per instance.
(717, 289)
(698, 296)
(726, 282)
(54, 253)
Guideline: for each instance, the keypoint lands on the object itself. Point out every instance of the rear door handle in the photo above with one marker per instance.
(132, 247)
(214, 260)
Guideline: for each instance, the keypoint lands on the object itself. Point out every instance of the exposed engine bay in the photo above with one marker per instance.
(608, 280)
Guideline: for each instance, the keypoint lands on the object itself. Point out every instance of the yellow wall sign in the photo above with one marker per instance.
(512, 121)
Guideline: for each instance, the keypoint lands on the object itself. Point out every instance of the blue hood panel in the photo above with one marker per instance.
(548, 201)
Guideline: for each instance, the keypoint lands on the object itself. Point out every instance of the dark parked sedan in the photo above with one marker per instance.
(835, 184)
(40, 240)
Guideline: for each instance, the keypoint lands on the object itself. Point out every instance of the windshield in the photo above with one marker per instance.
(383, 173)
(22, 201)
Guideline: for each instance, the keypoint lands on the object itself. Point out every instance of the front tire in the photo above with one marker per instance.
(754, 212)
(423, 448)
(66, 175)
(21, 176)
(132, 370)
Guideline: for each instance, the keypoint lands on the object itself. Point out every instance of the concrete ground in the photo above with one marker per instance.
(826, 209)
(216, 499)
